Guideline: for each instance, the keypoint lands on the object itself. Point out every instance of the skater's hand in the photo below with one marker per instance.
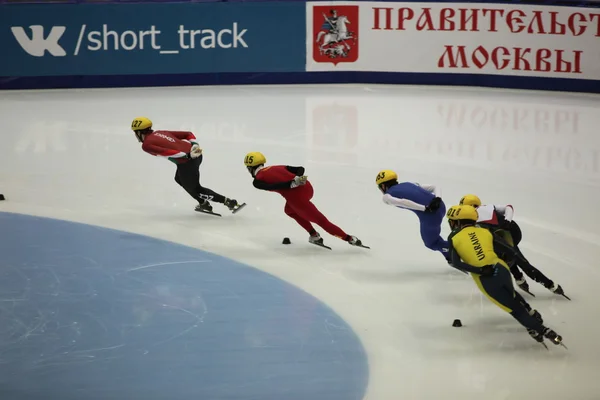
(299, 181)
(505, 225)
(434, 205)
(489, 270)
(195, 151)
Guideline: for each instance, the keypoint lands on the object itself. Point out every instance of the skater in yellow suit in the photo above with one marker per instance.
(472, 251)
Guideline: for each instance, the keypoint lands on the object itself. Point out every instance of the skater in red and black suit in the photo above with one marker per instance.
(293, 185)
(181, 148)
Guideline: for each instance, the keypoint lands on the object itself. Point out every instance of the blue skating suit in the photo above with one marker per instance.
(415, 197)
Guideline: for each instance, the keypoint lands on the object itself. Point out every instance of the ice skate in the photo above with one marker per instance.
(558, 290)
(522, 283)
(233, 205)
(537, 336)
(204, 206)
(317, 240)
(354, 241)
(554, 337)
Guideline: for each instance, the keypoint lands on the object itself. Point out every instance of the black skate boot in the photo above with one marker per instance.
(522, 283)
(354, 241)
(554, 337)
(233, 205)
(558, 290)
(537, 336)
(535, 314)
(204, 206)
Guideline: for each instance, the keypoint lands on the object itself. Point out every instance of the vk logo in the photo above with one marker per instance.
(37, 44)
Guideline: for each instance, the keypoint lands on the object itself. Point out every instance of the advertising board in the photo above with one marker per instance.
(506, 45)
(135, 39)
(465, 38)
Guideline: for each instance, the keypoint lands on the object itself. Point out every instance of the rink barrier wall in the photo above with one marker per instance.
(506, 45)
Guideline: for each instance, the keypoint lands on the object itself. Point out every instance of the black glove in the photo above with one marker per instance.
(434, 205)
(505, 225)
(489, 270)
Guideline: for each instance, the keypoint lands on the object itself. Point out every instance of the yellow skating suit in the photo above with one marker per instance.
(472, 250)
(475, 247)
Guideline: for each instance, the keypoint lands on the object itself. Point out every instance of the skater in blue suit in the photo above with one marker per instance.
(423, 200)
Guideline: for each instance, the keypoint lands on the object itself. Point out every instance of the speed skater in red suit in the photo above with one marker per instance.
(291, 183)
(181, 148)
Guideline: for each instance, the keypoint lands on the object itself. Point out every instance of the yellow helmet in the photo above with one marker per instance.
(254, 159)
(470, 200)
(462, 212)
(140, 123)
(385, 175)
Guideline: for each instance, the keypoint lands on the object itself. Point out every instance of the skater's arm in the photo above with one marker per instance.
(160, 151)
(262, 185)
(184, 135)
(432, 189)
(298, 171)
(502, 247)
(402, 203)
(457, 263)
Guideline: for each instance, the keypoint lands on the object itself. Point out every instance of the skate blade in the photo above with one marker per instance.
(238, 208)
(209, 212)
(528, 292)
(321, 245)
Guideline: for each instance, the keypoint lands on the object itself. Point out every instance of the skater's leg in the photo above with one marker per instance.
(532, 271)
(512, 254)
(289, 210)
(534, 313)
(500, 291)
(184, 176)
(206, 193)
(518, 275)
(431, 228)
(513, 237)
(308, 211)
(189, 176)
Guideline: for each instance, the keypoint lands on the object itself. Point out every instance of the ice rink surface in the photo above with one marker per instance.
(70, 155)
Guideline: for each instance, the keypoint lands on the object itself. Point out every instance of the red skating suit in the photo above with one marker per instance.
(278, 178)
(174, 145)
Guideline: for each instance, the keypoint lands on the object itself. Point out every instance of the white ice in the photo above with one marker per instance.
(71, 155)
